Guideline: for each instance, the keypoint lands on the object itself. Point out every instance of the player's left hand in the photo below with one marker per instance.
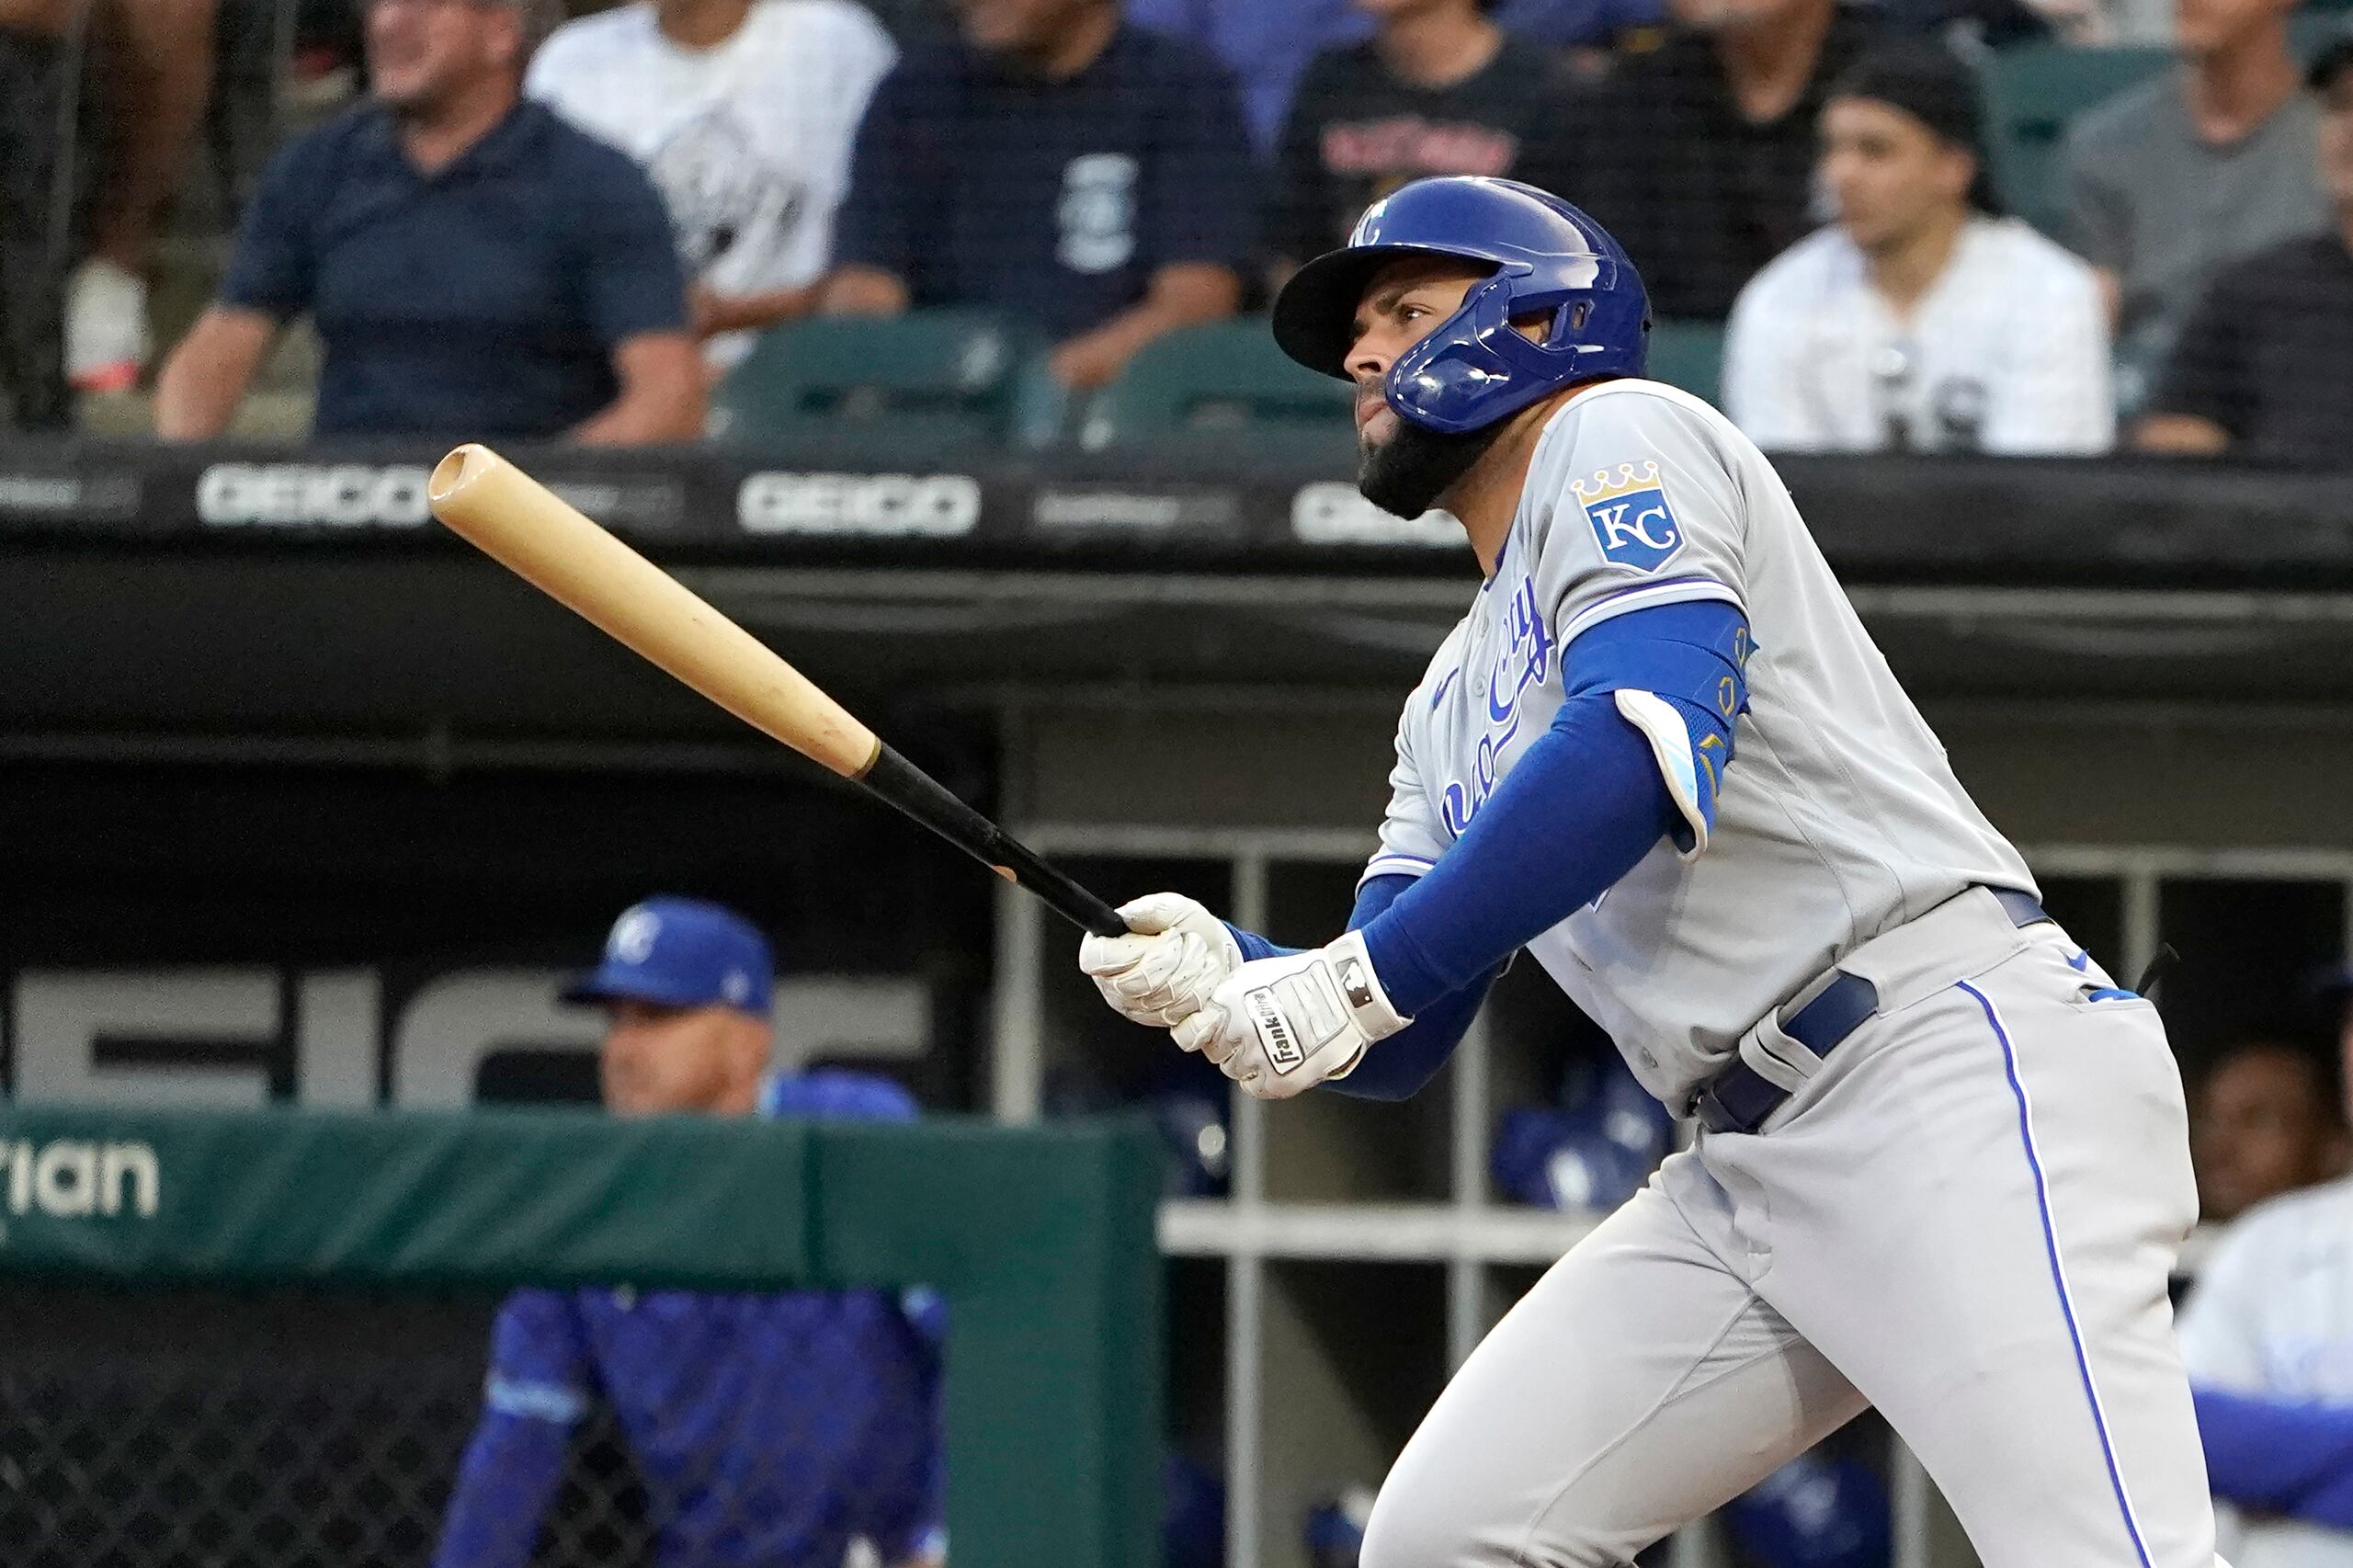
(1279, 1027)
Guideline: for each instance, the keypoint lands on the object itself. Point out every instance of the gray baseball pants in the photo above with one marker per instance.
(1965, 1216)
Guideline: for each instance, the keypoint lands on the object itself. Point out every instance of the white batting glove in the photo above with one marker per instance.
(1280, 1027)
(1164, 972)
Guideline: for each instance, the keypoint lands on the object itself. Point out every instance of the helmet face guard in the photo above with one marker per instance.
(1476, 368)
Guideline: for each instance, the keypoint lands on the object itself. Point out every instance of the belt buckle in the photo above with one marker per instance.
(1711, 1113)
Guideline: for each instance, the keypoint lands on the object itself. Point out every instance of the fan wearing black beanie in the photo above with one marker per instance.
(1921, 318)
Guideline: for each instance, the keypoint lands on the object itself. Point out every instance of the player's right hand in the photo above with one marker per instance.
(1179, 953)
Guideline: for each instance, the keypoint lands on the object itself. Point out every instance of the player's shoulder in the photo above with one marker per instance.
(2326, 1210)
(837, 24)
(600, 38)
(2125, 117)
(2288, 1232)
(1633, 418)
(835, 1095)
(1823, 260)
(2012, 248)
(1166, 60)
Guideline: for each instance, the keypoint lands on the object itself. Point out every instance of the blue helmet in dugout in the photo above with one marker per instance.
(1475, 368)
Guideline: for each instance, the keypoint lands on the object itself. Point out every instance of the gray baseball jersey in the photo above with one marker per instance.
(2272, 1314)
(1839, 817)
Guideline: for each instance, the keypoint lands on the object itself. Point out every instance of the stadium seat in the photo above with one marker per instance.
(1688, 354)
(1226, 389)
(2033, 93)
(922, 383)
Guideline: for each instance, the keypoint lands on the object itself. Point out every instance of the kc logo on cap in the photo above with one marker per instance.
(633, 935)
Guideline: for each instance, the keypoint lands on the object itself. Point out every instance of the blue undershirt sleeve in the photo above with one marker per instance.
(2279, 1457)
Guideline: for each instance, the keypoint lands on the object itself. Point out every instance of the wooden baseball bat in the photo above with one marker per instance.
(518, 522)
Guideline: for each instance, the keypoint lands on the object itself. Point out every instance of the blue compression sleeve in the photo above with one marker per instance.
(1584, 803)
(2279, 1457)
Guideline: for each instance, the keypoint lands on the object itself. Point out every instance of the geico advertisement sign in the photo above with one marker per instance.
(1334, 513)
(233, 1037)
(882, 506)
(339, 495)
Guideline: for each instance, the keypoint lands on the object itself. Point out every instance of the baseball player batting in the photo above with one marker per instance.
(1941, 1164)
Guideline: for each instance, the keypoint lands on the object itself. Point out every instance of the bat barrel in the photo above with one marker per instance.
(537, 535)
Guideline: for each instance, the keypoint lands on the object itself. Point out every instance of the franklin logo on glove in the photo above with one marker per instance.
(1274, 1031)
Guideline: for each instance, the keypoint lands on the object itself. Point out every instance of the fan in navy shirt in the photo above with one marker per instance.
(1090, 177)
(476, 268)
(769, 1431)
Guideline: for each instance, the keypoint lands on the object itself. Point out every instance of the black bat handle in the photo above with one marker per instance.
(924, 797)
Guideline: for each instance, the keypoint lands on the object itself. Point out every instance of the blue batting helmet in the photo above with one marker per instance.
(1476, 368)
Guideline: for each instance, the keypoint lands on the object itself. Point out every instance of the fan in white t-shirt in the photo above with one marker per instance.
(743, 111)
(1920, 320)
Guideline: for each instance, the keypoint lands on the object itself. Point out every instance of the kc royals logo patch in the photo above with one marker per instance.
(1630, 515)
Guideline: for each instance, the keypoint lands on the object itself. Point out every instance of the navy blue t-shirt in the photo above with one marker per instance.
(484, 299)
(1054, 201)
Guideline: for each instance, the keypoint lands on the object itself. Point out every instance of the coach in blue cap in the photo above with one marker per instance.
(769, 1431)
(687, 986)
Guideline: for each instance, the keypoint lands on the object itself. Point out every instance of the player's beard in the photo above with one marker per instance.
(1407, 473)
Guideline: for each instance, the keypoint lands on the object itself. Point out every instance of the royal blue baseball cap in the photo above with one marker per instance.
(681, 952)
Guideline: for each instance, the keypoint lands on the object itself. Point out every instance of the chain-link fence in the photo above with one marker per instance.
(284, 1429)
(281, 1429)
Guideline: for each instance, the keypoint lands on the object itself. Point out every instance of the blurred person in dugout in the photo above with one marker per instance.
(2267, 1335)
(2263, 1121)
(2169, 178)
(475, 267)
(2263, 368)
(769, 1431)
(1899, 325)
(743, 111)
(1438, 89)
(1086, 176)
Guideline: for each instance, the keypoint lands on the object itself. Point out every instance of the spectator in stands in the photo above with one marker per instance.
(744, 112)
(1088, 176)
(1699, 155)
(1921, 319)
(35, 62)
(157, 78)
(2264, 365)
(1438, 90)
(769, 1431)
(2261, 1124)
(476, 265)
(2268, 1342)
(1267, 43)
(2170, 177)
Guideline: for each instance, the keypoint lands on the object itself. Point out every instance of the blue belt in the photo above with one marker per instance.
(1740, 1097)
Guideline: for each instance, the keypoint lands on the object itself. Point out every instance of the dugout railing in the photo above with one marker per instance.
(1040, 1238)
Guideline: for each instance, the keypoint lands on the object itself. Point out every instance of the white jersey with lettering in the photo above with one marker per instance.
(2273, 1315)
(1838, 818)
